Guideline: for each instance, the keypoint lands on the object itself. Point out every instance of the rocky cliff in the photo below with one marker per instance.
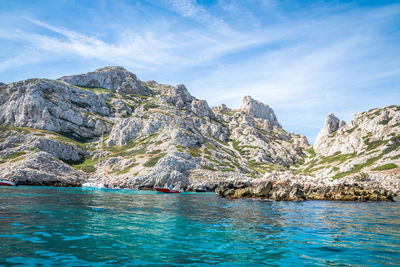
(368, 145)
(156, 134)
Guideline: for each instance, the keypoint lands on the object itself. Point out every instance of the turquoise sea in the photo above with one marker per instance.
(77, 227)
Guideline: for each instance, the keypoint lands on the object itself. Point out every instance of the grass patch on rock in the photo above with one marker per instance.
(311, 151)
(153, 161)
(88, 166)
(357, 167)
(15, 155)
(388, 166)
(374, 144)
(127, 169)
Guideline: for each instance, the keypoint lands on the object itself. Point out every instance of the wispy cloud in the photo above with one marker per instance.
(190, 9)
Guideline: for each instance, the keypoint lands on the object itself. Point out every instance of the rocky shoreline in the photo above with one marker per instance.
(290, 187)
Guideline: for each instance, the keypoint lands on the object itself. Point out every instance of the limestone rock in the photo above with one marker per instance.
(41, 169)
(113, 78)
(53, 106)
(332, 124)
(257, 109)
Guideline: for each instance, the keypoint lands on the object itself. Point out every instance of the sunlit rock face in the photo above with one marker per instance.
(113, 78)
(110, 125)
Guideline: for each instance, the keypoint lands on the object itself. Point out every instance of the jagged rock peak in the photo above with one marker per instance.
(332, 124)
(257, 109)
(114, 78)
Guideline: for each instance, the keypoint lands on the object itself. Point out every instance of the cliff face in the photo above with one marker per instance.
(154, 133)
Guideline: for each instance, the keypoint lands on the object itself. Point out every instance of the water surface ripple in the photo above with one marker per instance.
(72, 226)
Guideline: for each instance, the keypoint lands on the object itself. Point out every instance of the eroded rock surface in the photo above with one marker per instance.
(113, 78)
(155, 134)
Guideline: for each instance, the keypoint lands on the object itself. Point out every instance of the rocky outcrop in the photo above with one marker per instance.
(370, 143)
(41, 169)
(289, 187)
(115, 79)
(256, 109)
(53, 106)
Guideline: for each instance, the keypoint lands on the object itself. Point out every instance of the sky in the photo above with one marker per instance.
(303, 58)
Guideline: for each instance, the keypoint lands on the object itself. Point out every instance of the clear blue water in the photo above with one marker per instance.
(71, 226)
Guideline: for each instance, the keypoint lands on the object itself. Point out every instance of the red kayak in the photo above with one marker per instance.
(166, 190)
(6, 183)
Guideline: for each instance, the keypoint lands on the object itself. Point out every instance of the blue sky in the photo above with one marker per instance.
(303, 58)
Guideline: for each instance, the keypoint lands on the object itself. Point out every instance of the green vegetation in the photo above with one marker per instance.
(117, 149)
(349, 131)
(374, 144)
(87, 166)
(311, 151)
(149, 105)
(216, 139)
(377, 113)
(94, 89)
(337, 157)
(194, 152)
(388, 166)
(6, 128)
(394, 144)
(384, 122)
(335, 169)
(67, 140)
(153, 161)
(236, 146)
(208, 168)
(126, 170)
(362, 176)
(357, 167)
(15, 155)
(261, 168)
(229, 112)
(396, 157)
(227, 170)
(132, 153)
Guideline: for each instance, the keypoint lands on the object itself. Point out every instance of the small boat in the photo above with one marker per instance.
(92, 185)
(166, 190)
(6, 183)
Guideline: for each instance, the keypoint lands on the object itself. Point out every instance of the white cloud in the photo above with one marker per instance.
(190, 9)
